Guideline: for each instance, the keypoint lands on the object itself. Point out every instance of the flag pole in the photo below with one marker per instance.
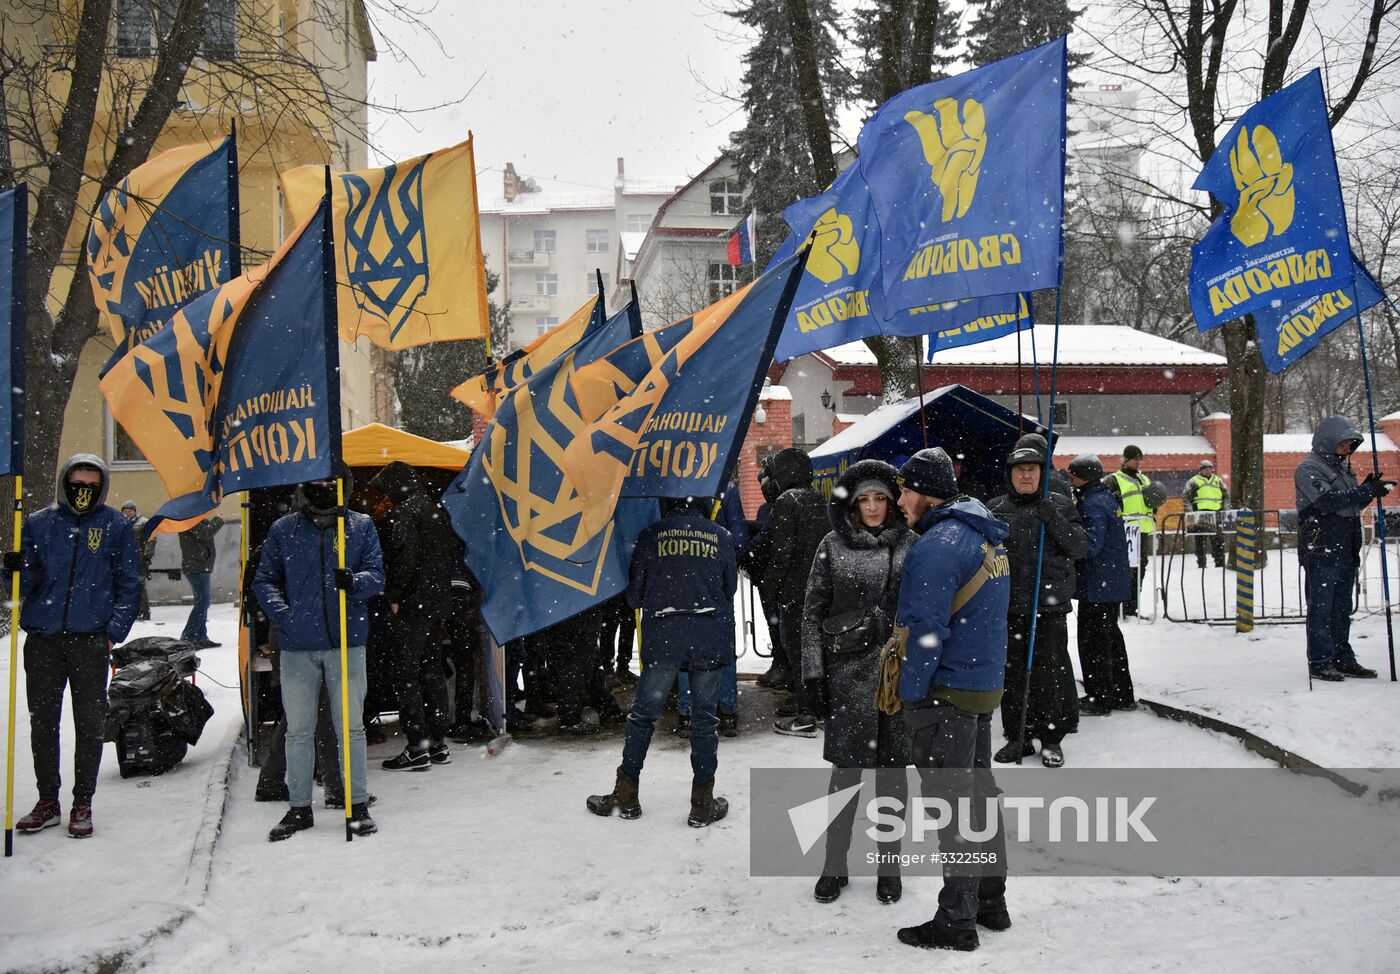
(19, 265)
(344, 661)
(919, 385)
(14, 676)
(1376, 468)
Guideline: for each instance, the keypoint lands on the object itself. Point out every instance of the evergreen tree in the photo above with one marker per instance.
(879, 77)
(426, 374)
(1001, 28)
(771, 151)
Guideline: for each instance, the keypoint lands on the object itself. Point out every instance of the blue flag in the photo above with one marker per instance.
(838, 297)
(666, 411)
(241, 389)
(966, 178)
(1282, 236)
(167, 234)
(537, 558)
(1287, 334)
(994, 323)
(14, 243)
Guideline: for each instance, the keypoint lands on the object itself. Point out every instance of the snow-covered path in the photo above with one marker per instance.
(495, 864)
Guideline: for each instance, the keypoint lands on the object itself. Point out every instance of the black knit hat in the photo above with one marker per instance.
(1131, 452)
(1086, 466)
(929, 472)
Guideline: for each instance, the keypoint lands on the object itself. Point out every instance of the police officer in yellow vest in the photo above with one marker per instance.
(1207, 492)
(1134, 507)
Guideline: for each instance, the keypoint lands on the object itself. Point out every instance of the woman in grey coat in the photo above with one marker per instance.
(855, 579)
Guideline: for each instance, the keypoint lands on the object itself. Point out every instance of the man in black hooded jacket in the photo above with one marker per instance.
(798, 526)
(420, 562)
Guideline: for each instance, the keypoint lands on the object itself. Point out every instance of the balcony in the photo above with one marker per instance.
(530, 303)
(528, 258)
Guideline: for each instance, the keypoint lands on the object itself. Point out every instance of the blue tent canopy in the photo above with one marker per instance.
(961, 421)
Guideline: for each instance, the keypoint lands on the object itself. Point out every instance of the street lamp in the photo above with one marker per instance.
(826, 398)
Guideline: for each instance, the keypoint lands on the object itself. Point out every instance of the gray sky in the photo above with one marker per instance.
(567, 87)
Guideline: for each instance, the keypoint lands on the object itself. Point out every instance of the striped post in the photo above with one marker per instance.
(1244, 570)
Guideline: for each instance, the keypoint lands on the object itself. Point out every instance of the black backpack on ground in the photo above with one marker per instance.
(154, 713)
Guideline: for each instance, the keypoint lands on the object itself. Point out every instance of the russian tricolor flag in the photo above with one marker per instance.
(742, 241)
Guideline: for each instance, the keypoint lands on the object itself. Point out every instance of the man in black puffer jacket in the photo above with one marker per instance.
(420, 562)
(799, 524)
(1054, 700)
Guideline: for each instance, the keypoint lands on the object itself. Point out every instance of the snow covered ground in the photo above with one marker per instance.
(493, 863)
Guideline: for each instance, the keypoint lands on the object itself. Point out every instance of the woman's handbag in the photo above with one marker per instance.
(892, 654)
(858, 630)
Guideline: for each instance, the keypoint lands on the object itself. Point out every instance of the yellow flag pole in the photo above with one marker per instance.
(14, 677)
(344, 663)
(249, 724)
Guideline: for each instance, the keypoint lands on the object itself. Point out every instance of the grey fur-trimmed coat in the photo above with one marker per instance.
(849, 572)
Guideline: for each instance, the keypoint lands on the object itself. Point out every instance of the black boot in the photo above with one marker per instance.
(829, 888)
(625, 676)
(296, 820)
(705, 808)
(271, 791)
(471, 732)
(1355, 669)
(360, 822)
(938, 936)
(623, 798)
(776, 676)
(1007, 754)
(888, 889)
(682, 728)
(728, 725)
(409, 759)
(1330, 674)
(993, 915)
(1089, 707)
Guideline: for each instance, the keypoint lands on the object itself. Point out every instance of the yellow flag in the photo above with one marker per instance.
(408, 247)
(483, 392)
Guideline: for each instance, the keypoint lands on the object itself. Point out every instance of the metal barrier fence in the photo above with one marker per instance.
(1190, 593)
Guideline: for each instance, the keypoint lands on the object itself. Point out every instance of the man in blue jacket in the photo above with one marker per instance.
(296, 584)
(81, 584)
(684, 574)
(1105, 582)
(1330, 502)
(954, 592)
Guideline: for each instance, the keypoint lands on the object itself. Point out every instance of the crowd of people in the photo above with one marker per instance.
(903, 614)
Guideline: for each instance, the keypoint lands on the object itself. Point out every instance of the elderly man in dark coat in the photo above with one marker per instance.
(1052, 710)
(852, 594)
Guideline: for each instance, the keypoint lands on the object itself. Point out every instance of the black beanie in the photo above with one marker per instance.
(1131, 452)
(929, 472)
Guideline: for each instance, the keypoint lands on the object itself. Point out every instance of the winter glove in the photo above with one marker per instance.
(1378, 486)
(344, 579)
(14, 561)
(1045, 510)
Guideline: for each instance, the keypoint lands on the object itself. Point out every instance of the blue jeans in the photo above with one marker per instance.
(653, 686)
(302, 673)
(196, 626)
(728, 691)
(1329, 588)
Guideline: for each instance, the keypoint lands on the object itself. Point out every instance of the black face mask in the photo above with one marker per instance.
(320, 497)
(82, 497)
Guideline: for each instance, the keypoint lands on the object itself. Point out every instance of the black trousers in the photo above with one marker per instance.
(77, 661)
(1103, 657)
(420, 673)
(889, 783)
(620, 630)
(1053, 711)
(464, 642)
(580, 668)
(1217, 549)
(953, 752)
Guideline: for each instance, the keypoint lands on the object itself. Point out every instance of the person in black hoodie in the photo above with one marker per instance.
(754, 561)
(420, 562)
(1053, 709)
(799, 524)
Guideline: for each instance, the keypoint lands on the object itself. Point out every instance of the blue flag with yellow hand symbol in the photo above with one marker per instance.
(538, 559)
(1282, 236)
(966, 179)
(241, 388)
(1289, 332)
(165, 235)
(839, 298)
(14, 249)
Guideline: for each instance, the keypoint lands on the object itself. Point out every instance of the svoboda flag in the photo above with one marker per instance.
(966, 177)
(537, 557)
(14, 243)
(167, 234)
(408, 247)
(1282, 235)
(483, 392)
(1289, 332)
(839, 298)
(241, 388)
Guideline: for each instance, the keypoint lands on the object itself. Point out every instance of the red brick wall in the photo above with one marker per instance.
(774, 434)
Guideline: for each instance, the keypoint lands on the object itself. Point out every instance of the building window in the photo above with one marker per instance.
(547, 285)
(220, 31)
(140, 22)
(1061, 416)
(592, 281)
(544, 241)
(799, 429)
(543, 325)
(638, 222)
(134, 29)
(121, 449)
(597, 241)
(726, 197)
(724, 280)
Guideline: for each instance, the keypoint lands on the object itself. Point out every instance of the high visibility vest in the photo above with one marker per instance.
(1210, 492)
(1132, 506)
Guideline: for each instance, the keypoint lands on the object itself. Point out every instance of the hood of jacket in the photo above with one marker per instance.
(971, 512)
(1332, 431)
(82, 460)
(842, 502)
(397, 481)
(789, 468)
